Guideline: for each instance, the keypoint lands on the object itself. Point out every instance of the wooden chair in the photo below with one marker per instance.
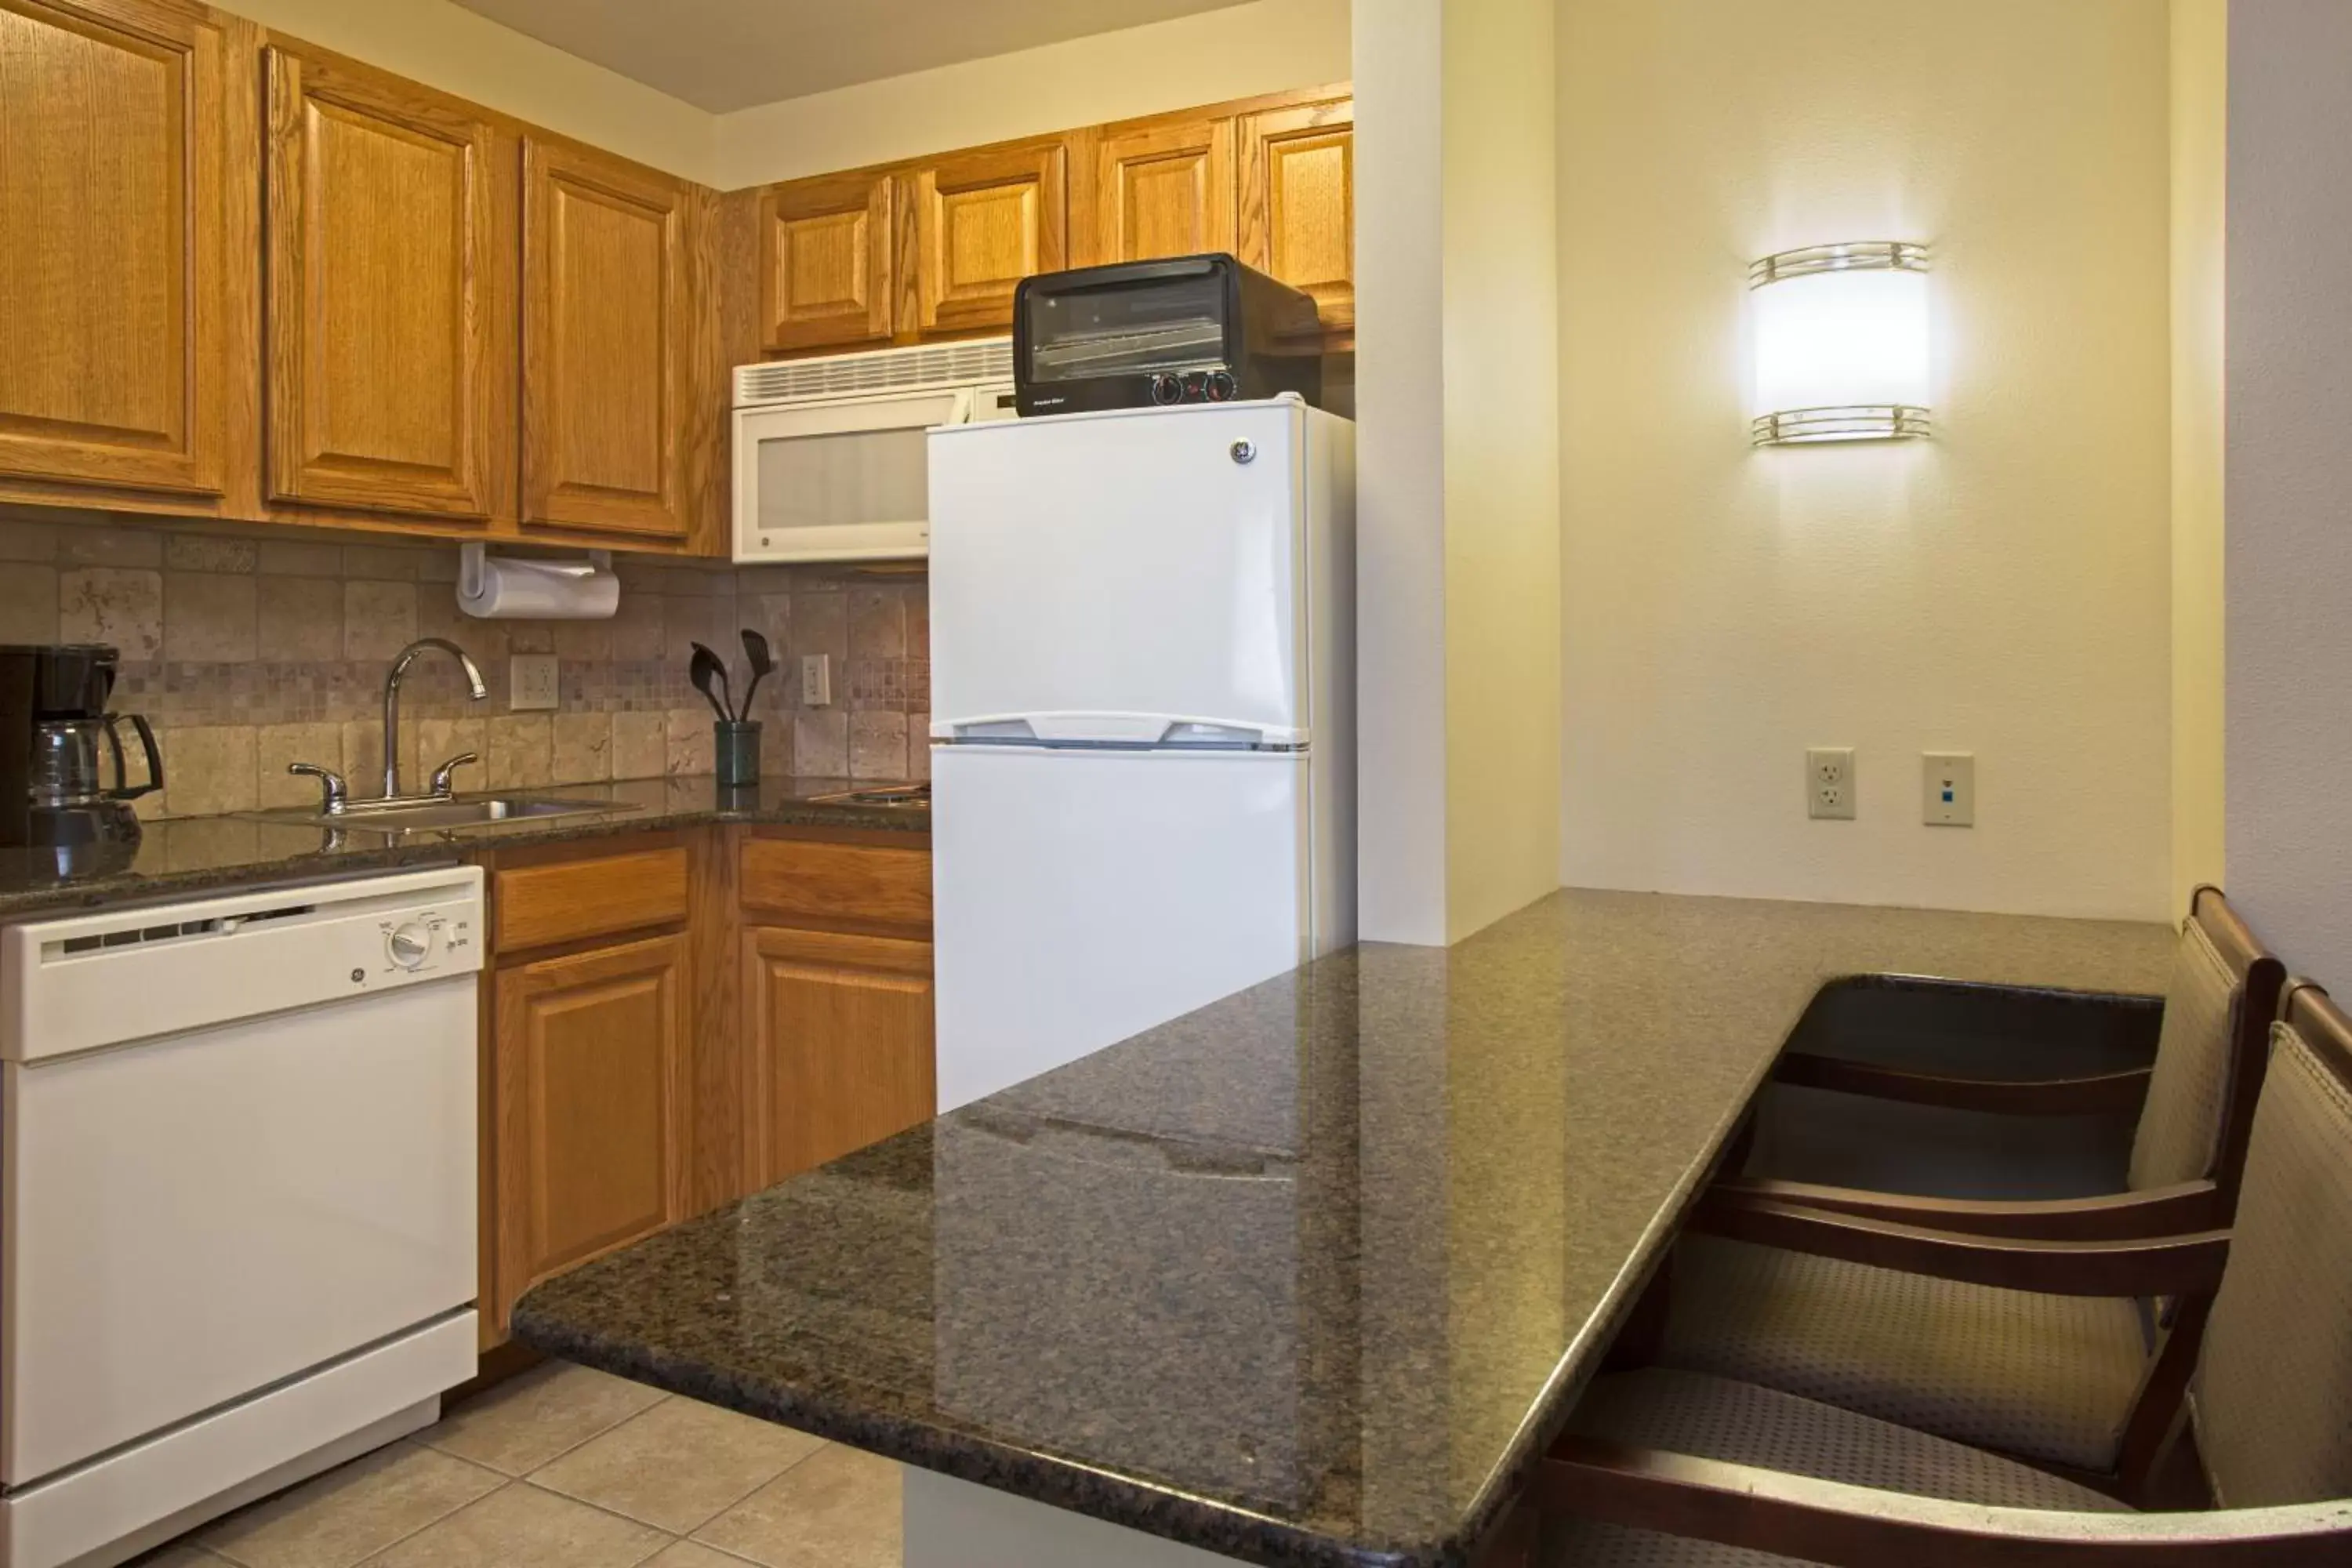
(1666, 1467)
(2195, 1103)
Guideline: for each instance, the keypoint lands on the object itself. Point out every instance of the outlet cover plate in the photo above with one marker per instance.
(816, 679)
(1828, 783)
(531, 682)
(1948, 789)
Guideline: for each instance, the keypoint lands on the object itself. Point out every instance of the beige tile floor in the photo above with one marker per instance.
(565, 1467)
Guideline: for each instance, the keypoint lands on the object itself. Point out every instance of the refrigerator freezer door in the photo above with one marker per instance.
(1081, 897)
(1145, 563)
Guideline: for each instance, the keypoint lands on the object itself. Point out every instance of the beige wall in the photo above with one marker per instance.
(2002, 589)
(2290, 475)
(1502, 462)
(1268, 45)
(1402, 809)
(2200, 90)
(1456, 469)
(447, 47)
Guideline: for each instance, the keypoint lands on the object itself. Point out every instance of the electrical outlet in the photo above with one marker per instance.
(1948, 789)
(816, 679)
(1828, 783)
(531, 682)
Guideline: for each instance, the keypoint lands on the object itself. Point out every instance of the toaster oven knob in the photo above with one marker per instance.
(1220, 387)
(1167, 387)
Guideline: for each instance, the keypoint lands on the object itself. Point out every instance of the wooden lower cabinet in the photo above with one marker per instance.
(677, 1018)
(589, 1122)
(839, 1028)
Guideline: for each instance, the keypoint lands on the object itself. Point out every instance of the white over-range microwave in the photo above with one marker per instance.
(831, 463)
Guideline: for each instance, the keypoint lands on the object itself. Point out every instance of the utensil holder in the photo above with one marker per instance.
(736, 754)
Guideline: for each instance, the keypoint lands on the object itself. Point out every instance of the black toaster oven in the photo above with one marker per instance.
(1190, 329)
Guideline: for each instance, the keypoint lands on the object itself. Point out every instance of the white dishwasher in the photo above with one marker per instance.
(238, 1165)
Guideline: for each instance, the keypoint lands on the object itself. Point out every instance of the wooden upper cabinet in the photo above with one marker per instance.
(114, 219)
(1163, 189)
(840, 1028)
(389, 383)
(1297, 202)
(606, 343)
(827, 255)
(982, 221)
(590, 1065)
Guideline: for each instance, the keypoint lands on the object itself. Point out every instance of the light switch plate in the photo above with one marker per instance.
(1947, 783)
(531, 682)
(1828, 783)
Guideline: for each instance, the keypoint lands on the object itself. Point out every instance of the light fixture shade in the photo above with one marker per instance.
(1841, 343)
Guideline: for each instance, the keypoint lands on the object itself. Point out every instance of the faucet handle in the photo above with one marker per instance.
(333, 796)
(441, 775)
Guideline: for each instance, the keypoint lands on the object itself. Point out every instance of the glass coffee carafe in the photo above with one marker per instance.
(66, 786)
(67, 781)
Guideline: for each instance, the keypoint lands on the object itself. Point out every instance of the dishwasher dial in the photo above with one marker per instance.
(411, 945)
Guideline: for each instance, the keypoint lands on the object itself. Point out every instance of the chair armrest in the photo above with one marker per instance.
(1859, 1527)
(2120, 1217)
(2118, 1092)
(2165, 1266)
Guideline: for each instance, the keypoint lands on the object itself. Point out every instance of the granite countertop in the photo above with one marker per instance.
(1305, 1276)
(183, 856)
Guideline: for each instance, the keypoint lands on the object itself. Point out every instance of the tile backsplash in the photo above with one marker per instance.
(249, 652)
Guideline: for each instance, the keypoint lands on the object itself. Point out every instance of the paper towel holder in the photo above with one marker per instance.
(477, 567)
(473, 555)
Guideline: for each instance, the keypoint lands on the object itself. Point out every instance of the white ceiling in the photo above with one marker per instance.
(725, 55)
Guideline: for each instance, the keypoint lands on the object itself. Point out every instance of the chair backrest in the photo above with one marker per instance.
(2209, 1058)
(2273, 1389)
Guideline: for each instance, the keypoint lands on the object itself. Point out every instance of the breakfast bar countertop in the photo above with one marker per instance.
(1307, 1277)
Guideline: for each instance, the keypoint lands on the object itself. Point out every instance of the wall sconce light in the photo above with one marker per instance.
(1841, 343)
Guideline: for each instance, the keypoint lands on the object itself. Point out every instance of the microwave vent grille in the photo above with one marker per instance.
(979, 361)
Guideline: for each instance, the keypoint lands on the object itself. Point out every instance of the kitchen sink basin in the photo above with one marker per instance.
(434, 815)
(910, 796)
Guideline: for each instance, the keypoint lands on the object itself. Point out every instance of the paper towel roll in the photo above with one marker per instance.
(521, 588)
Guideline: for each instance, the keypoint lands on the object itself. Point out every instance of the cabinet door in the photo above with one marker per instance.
(114, 213)
(591, 1084)
(1164, 191)
(982, 222)
(826, 262)
(1298, 202)
(840, 1028)
(388, 363)
(605, 347)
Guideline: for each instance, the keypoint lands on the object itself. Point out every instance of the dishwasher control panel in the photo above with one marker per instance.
(89, 981)
(420, 939)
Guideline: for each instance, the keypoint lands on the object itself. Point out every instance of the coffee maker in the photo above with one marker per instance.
(55, 738)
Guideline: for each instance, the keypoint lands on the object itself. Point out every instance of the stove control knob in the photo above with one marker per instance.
(1221, 387)
(1167, 387)
(411, 945)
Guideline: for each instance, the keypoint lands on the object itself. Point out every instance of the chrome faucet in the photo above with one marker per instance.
(409, 656)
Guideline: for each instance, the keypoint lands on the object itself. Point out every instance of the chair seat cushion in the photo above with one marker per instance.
(2052, 1378)
(1742, 1424)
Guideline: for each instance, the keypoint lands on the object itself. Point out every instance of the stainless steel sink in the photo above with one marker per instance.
(910, 796)
(395, 818)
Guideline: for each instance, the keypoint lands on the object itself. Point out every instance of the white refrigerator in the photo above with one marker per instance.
(1143, 737)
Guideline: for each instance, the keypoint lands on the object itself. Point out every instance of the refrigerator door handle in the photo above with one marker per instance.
(1116, 730)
